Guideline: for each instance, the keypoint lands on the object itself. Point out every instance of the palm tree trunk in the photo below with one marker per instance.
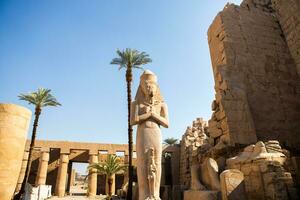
(32, 144)
(130, 140)
(110, 182)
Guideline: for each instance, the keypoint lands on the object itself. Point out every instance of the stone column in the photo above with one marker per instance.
(14, 123)
(22, 171)
(42, 170)
(72, 177)
(61, 180)
(92, 187)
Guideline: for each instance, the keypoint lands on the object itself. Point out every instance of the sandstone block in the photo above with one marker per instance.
(232, 185)
(200, 195)
(14, 123)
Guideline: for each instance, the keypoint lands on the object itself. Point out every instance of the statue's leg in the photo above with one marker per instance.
(151, 186)
(158, 154)
(143, 185)
(141, 165)
(157, 179)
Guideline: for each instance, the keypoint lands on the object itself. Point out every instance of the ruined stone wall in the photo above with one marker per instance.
(191, 140)
(256, 82)
(288, 14)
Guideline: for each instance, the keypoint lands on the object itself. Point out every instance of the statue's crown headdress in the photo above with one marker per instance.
(148, 76)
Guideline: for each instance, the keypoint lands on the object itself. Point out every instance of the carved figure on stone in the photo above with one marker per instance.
(262, 166)
(259, 152)
(151, 172)
(149, 112)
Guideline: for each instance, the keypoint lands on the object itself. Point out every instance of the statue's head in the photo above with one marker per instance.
(148, 88)
(148, 83)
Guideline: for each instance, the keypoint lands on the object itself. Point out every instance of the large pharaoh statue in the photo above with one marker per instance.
(149, 112)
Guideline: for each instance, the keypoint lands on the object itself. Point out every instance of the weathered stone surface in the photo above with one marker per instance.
(42, 170)
(264, 175)
(195, 181)
(296, 165)
(14, 123)
(232, 185)
(92, 177)
(256, 153)
(256, 80)
(209, 174)
(62, 176)
(200, 195)
(22, 171)
(195, 138)
(287, 12)
(177, 192)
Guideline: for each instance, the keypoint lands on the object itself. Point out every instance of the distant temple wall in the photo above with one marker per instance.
(50, 157)
(57, 153)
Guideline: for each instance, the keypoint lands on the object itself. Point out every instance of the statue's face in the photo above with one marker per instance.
(149, 88)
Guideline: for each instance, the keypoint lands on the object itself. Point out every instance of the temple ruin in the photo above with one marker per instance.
(52, 165)
(250, 147)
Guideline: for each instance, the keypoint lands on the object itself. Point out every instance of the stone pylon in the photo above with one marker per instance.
(14, 124)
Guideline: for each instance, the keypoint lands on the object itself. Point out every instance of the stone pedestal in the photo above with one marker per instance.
(42, 170)
(92, 184)
(22, 171)
(14, 123)
(200, 195)
(62, 176)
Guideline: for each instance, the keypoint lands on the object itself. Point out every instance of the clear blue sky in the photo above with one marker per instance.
(67, 46)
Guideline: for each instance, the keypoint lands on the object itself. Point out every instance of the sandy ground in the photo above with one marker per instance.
(77, 198)
(78, 192)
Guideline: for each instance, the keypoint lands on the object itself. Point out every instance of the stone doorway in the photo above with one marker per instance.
(77, 182)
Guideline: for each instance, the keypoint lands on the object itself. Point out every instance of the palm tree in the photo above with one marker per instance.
(129, 59)
(170, 141)
(41, 98)
(111, 166)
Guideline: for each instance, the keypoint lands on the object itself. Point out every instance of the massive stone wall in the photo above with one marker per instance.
(256, 82)
(288, 14)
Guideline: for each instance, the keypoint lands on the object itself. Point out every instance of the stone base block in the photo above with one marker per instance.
(201, 195)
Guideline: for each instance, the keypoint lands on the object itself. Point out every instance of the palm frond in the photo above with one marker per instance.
(111, 166)
(130, 58)
(40, 98)
(170, 141)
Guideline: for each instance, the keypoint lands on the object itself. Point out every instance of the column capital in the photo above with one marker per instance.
(64, 158)
(45, 156)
